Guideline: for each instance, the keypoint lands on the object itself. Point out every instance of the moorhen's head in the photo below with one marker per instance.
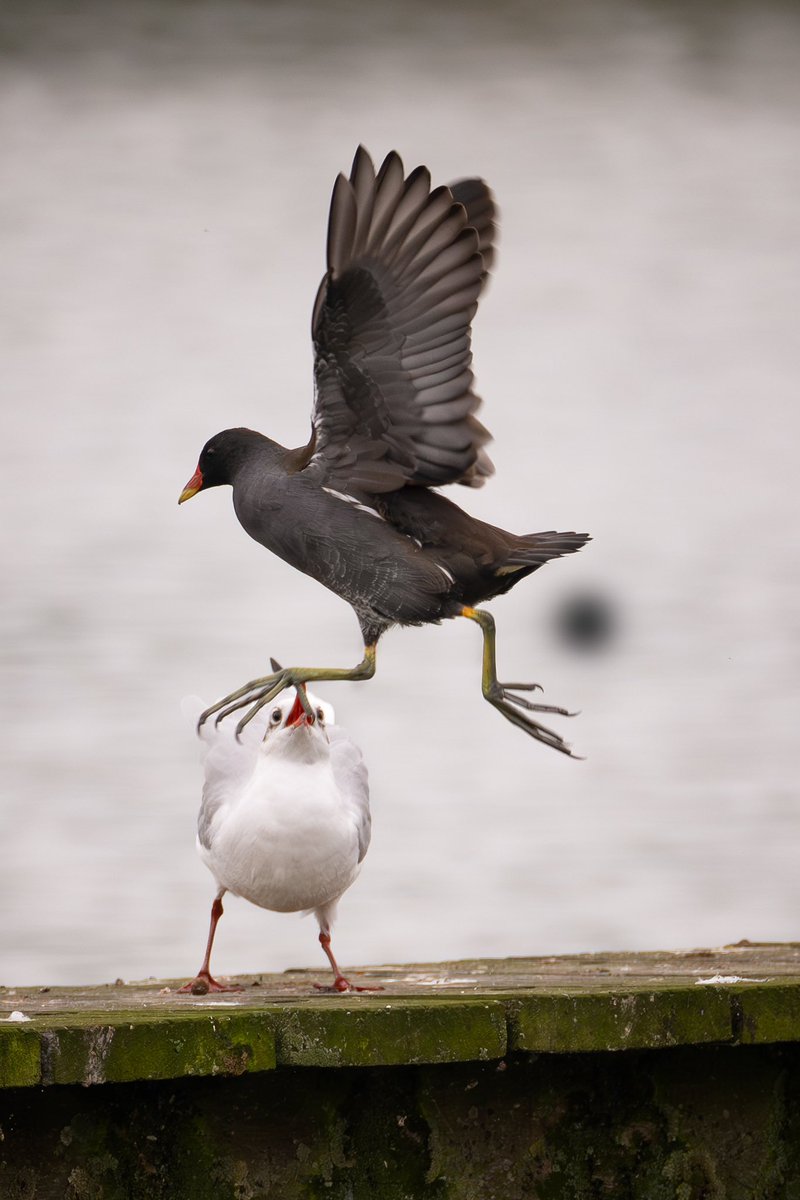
(219, 460)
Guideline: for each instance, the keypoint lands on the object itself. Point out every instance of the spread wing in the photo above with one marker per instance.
(478, 201)
(394, 403)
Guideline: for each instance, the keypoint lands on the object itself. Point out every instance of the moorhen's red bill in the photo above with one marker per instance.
(393, 418)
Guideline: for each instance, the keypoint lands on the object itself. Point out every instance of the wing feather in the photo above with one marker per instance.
(394, 398)
(342, 226)
(350, 772)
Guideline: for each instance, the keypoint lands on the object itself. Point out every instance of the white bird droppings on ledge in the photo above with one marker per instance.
(730, 979)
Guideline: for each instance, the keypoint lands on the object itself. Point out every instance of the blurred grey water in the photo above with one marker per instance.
(166, 175)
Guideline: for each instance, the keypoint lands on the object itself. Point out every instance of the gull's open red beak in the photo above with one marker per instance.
(193, 487)
(298, 716)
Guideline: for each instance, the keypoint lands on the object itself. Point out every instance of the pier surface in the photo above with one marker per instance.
(680, 1069)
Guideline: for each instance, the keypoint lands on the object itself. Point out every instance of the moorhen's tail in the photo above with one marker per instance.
(528, 553)
(535, 549)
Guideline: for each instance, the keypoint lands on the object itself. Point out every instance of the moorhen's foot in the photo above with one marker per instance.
(505, 691)
(253, 696)
(516, 709)
(341, 985)
(258, 692)
(201, 985)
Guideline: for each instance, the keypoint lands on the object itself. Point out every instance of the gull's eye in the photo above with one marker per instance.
(276, 716)
(320, 716)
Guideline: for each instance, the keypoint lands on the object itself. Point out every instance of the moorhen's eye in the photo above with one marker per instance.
(276, 716)
(320, 716)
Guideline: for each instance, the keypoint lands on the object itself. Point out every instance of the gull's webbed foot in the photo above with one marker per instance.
(203, 983)
(341, 985)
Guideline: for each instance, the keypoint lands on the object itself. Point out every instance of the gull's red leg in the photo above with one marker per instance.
(340, 984)
(204, 982)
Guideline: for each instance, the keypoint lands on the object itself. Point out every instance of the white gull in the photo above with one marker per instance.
(284, 820)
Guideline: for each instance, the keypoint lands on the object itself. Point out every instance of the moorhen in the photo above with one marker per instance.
(393, 419)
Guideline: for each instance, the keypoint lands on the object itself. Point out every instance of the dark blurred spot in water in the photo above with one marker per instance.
(587, 621)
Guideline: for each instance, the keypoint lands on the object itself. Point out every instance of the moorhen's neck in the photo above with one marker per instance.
(296, 460)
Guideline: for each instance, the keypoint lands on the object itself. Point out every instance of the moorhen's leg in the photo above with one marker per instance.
(203, 981)
(514, 708)
(254, 695)
(340, 984)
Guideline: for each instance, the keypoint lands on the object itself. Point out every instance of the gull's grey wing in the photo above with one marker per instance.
(350, 773)
(228, 764)
(394, 400)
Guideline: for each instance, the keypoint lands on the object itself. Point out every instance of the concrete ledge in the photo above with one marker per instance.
(470, 1011)
(644, 1077)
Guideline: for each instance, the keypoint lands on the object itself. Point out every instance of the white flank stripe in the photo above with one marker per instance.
(351, 500)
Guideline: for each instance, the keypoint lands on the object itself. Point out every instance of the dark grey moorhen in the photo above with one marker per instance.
(393, 419)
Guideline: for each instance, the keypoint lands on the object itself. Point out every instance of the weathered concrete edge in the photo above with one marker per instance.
(635, 1019)
(121, 1047)
(766, 1013)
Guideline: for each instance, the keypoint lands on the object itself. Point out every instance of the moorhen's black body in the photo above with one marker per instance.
(393, 418)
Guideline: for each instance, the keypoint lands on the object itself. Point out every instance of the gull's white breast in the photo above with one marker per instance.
(287, 840)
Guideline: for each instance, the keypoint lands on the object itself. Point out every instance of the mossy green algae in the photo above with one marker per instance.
(631, 1019)
(164, 1041)
(125, 1047)
(387, 1033)
(20, 1056)
(769, 1012)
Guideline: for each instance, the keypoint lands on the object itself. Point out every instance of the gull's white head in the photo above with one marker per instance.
(296, 729)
